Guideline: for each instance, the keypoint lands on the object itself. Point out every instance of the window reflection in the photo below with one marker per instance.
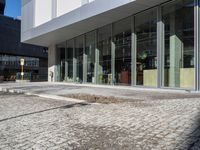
(178, 57)
(61, 51)
(79, 59)
(104, 48)
(90, 56)
(146, 32)
(14, 61)
(69, 59)
(122, 41)
(10, 65)
(178, 18)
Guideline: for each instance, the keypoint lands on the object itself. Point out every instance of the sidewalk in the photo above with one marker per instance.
(61, 90)
(164, 121)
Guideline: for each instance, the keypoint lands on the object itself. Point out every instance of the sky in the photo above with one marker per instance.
(13, 8)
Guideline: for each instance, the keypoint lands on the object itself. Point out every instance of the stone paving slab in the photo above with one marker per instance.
(30, 122)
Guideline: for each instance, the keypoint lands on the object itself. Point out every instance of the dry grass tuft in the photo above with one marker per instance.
(96, 98)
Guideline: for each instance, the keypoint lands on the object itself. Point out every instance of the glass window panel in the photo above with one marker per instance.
(61, 52)
(79, 58)
(90, 53)
(146, 32)
(69, 59)
(178, 18)
(122, 41)
(104, 48)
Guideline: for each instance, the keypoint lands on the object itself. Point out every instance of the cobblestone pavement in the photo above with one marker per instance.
(29, 122)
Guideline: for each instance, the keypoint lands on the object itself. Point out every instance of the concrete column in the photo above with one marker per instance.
(85, 68)
(96, 66)
(160, 49)
(58, 66)
(74, 69)
(74, 64)
(96, 58)
(52, 64)
(113, 47)
(113, 62)
(176, 46)
(66, 64)
(84, 61)
(197, 47)
(133, 53)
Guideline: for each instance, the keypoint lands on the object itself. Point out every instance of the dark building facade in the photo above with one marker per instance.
(2, 6)
(12, 50)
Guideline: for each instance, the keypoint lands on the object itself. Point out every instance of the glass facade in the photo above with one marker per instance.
(146, 40)
(104, 55)
(14, 61)
(90, 47)
(10, 65)
(178, 19)
(78, 59)
(69, 61)
(61, 52)
(154, 48)
(122, 41)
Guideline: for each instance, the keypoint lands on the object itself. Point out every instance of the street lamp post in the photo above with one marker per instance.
(22, 68)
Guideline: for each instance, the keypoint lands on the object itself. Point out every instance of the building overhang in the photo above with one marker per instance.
(84, 19)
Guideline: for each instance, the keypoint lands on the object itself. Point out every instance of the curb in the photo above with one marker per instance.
(134, 88)
(55, 97)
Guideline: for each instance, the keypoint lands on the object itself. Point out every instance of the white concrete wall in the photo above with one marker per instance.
(27, 15)
(86, 1)
(38, 12)
(43, 11)
(91, 1)
(65, 6)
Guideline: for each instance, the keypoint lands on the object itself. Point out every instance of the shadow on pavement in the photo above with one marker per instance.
(194, 136)
(191, 140)
(37, 112)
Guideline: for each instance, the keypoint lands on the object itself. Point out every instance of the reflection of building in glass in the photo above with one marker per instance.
(2, 6)
(9, 61)
(10, 65)
(150, 43)
(12, 50)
